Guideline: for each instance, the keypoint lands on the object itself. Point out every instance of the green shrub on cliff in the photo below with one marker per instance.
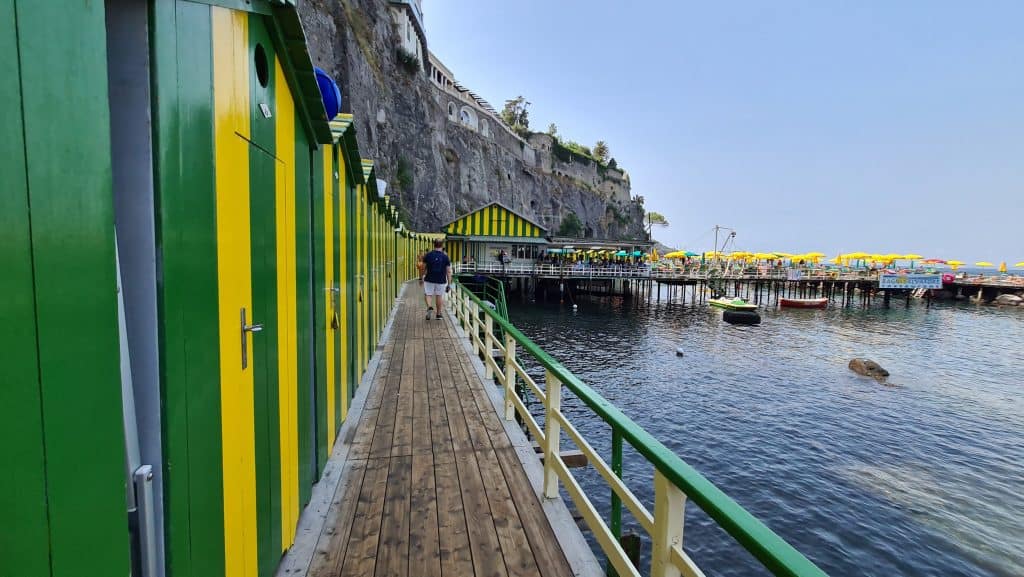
(571, 226)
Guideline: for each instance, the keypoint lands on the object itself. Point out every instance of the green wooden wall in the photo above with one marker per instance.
(62, 480)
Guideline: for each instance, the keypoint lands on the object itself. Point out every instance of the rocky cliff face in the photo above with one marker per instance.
(438, 169)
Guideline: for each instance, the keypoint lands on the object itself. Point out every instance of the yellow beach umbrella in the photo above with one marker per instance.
(912, 257)
(837, 260)
(654, 255)
(815, 254)
(983, 264)
(856, 255)
(954, 264)
(1019, 265)
(1002, 266)
(783, 254)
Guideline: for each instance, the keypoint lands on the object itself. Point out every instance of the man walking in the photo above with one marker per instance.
(437, 278)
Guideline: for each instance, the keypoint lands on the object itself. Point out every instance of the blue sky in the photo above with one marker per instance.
(878, 126)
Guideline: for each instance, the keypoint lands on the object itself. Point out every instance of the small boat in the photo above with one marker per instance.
(803, 303)
(732, 304)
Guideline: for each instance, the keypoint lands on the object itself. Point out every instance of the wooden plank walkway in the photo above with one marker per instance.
(432, 485)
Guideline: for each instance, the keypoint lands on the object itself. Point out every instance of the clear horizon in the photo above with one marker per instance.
(870, 126)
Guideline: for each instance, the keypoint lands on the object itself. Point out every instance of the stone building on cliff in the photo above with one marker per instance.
(442, 148)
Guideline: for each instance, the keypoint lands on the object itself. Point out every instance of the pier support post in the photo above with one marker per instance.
(552, 428)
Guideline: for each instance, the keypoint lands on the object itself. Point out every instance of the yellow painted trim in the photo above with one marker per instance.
(234, 277)
(344, 294)
(329, 294)
(364, 234)
(287, 337)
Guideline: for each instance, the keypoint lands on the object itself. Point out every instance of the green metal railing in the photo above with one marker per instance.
(674, 480)
(490, 290)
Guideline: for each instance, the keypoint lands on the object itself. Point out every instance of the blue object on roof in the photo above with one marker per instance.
(329, 92)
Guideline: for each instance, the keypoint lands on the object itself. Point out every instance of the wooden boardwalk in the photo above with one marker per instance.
(432, 484)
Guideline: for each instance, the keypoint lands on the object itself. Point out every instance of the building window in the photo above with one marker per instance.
(484, 129)
(451, 110)
(526, 251)
(467, 117)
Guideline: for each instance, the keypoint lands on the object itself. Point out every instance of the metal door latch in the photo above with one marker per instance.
(246, 329)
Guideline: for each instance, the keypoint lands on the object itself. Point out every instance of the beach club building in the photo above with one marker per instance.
(483, 234)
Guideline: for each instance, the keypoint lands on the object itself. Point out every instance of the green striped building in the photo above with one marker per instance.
(483, 234)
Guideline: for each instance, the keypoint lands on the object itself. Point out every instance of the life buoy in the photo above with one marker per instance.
(947, 278)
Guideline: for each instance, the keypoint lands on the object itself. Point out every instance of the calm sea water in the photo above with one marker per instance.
(922, 477)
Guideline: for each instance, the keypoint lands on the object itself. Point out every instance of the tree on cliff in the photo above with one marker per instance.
(571, 226)
(601, 152)
(553, 131)
(655, 219)
(515, 114)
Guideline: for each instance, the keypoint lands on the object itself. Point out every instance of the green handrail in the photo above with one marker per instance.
(772, 551)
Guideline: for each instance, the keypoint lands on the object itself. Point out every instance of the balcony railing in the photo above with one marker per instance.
(694, 273)
(674, 480)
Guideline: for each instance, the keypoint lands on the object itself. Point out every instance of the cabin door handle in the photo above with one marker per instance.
(246, 329)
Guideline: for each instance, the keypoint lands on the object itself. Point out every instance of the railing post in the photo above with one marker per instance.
(669, 504)
(510, 377)
(488, 344)
(616, 518)
(465, 312)
(474, 311)
(616, 525)
(553, 395)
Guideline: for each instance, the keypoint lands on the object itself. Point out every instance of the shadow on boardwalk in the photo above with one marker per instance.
(432, 484)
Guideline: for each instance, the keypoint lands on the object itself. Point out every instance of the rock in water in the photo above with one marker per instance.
(1008, 299)
(679, 352)
(868, 368)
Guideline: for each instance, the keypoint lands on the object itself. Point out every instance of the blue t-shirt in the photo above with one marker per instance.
(437, 264)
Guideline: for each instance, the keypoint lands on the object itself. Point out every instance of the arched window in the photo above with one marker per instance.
(451, 111)
(484, 128)
(468, 117)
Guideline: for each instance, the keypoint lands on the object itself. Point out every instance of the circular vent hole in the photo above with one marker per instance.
(262, 67)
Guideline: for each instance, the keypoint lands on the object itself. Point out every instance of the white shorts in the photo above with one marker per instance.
(434, 288)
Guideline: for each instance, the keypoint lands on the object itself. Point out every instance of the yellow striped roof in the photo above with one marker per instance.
(367, 168)
(495, 219)
(340, 124)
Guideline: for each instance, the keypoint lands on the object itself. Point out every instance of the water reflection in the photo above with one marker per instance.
(923, 478)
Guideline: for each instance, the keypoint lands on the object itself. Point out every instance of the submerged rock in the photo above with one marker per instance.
(1008, 299)
(868, 368)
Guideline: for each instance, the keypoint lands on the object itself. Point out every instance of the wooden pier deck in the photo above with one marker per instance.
(432, 484)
